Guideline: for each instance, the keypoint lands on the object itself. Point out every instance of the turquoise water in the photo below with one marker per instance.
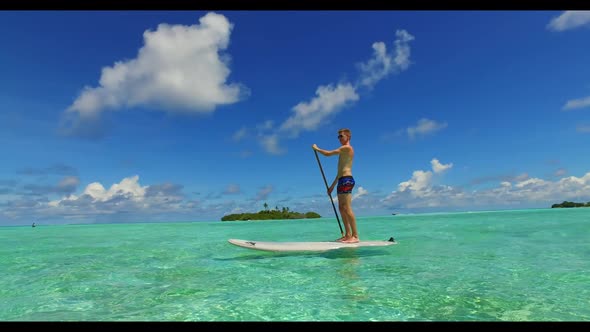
(527, 265)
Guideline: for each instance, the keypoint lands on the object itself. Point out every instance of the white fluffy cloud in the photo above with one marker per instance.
(308, 116)
(569, 20)
(420, 185)
(437, 167)
(128, 188)
(425, 127)
(359, 193)
(576, 103)
(271, 144)
(421, 192)
(179, 68)
(127, 200)
(328, 101)
(331, 99)
(382, 63)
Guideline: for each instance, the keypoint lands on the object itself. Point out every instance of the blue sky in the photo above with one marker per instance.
(134, 116)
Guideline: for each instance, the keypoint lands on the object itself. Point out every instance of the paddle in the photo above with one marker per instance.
(326, 183)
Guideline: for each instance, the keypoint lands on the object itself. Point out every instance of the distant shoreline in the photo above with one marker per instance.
(566, 204)
(270, 215)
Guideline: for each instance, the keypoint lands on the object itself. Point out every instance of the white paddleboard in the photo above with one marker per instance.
(306, 246)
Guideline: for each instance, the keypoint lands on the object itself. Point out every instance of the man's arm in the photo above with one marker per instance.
(326, 152)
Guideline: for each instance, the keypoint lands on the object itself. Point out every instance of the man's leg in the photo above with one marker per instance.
(344, 215)
(346, 210)
(346, 234)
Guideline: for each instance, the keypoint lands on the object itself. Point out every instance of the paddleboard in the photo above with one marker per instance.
(306, 246)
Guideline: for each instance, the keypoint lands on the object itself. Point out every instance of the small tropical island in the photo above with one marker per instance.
(266, 214)
(566, 204)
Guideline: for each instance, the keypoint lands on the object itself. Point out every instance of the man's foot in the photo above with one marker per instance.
(342, 239)
(351, 240)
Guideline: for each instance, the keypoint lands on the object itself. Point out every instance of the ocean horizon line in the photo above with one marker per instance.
(408, 214)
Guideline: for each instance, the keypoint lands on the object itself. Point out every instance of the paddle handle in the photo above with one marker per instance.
(330, 195)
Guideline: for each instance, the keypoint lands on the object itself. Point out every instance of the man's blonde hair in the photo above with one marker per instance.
(346, 131)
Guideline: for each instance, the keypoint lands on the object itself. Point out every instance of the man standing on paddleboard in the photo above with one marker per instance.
(345, 183)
